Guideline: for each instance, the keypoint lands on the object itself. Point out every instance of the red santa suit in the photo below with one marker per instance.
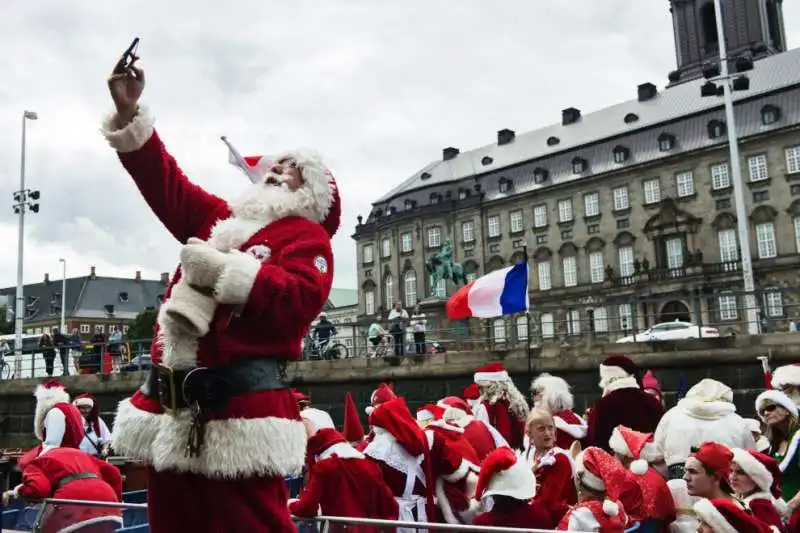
(597, 470)
(765, 503)
(482, 437)
(342, 483)
(383, 394)
(509, 482)
(623, 403)
(505, 405)
(639, 449)
(56, 422)
(726, 516)
(68, 473)
(238, 306)
(552, 394)
(555, 485)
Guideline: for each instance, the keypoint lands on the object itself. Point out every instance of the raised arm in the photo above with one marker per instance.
(35, 484)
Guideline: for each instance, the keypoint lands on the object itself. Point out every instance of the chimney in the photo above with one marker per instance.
(138, 275)
(647, 91)
(570, 115)
(92, 272)
(46, 278)
(165, 278)
(505, 136)
(449, 153)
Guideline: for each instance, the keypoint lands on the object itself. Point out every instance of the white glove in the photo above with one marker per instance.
(7, 497)
(201, 264)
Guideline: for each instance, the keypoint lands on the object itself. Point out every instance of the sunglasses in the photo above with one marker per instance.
(768, 409)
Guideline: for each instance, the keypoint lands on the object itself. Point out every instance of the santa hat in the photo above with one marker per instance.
(503, 474)
(317, 180)
(318, 418)
(616, 367)
(491, 372)
(353, 430)
(454, 408)
(709, 390)
(598, 471)
(775, 397)
(382, 394)
(86, 400)
(429, 413)
(49, 393)
(300, 397)
(322, 440)
(761, 468)
(787, 375)
(723, 515)
(473, 392)
(635, 445)
(716, 458)
(649, 381)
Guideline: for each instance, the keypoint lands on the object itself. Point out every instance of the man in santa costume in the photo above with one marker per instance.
(56, 422)
(70, 474)
(552, 394)
(254, 273)
(636, 450)
(787, 380)
(97, 436)
(504, 403)
(723, 515)
(623, 403)
(381, 395)
(342, 483)
(483, 438)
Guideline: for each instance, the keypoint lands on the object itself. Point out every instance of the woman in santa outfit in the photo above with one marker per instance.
(553, 394)
(636, 451)
(726, 516)
(342, 483)
(552, 466)
(56, 422)
(780, 415)
(597, 474)
(483, 438)
(506, 406)
(97, 437)
(510, 484)
(755, 479)
(70, 474)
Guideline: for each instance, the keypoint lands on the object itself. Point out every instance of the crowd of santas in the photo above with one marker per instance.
(488, 459)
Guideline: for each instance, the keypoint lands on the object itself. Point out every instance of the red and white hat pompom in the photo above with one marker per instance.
(491, 372)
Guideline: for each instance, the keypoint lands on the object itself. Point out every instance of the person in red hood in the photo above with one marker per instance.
(342, 482)
(652, 387)
(483, 438)
(382, 394)
(56, 422)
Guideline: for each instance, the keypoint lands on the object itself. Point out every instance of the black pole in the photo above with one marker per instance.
(528, 352)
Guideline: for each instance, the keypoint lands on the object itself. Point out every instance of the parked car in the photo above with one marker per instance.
(140, 362)
(672, 331)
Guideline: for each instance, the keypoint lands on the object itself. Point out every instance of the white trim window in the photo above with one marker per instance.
(728, 246)
(596, 267)
(369, 302)
(545, 277)
(625, 316)
(368, 253)
(652, 191)
(765, 240)
(625, 259)
(540, 216)
(388, 292)
(499, 330)
(569, 267)
(386, 247)
(793, 159)
(515, 221)
(468, 231)
(493, 223)
(600, 320)
(565, 210)
(773, 303)
(757, 166)
(684, 182)
(522, 327)
(548, 325)
(591, 204)
(674, 248)
(573, 322)
(621, 200)
(720, 177)
(434, 237)
(728, 308)
(410, 288)
(796, 222)
(407, 242)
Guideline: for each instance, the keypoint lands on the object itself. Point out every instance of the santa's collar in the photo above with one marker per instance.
(462, 422)
(341, 450)
(577, 431)
(447, 426)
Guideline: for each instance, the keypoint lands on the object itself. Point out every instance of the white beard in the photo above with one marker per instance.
(266, 203)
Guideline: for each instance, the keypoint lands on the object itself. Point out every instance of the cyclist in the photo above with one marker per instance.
(323, 332)
(377, 336)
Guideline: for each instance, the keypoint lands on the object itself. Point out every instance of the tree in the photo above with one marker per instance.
(6, 327)
(142, 326)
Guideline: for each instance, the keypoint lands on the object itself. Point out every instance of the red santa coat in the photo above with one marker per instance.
(657, 502)
(630, 407)
(569, 428)
(272, 287)
(517, 514)
(555, 485)
(60, 426)
(483, 438)
(762, 507)
(57, 474)
(453, 497)
(506, 423)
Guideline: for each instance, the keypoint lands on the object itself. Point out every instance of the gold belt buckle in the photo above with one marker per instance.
(166, 388)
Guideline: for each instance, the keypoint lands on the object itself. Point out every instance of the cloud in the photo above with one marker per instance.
(379, 88)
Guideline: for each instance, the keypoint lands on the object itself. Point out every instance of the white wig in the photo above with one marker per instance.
(555, 393)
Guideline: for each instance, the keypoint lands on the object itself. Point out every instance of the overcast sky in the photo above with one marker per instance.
(378, 87)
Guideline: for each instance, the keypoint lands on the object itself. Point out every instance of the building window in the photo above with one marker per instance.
(85, 329)
(435, 198)
(548, 329)
(666, 142)
(540, 175)
(438, 289)
(600, 320)
(410, 288)
(727, 307)
(797, 233)
(793, 160)
(579, 165)
(760, 196)
(540, 216)
(573, 322)
(723, 203)
(566, 235)
(621, 199)
(596, 270)
(770, 115)
(522, 327)
(125, 329)
(504, 185)
(434, 237)
(685, 183)
(388, 292)
(565, 210)
(773, 303)
(462, 194)
(367, 253)
(625, 314)
(591, 204)
(720, 178)
(757, 165)
(468, 231)
(728, 246)
(515, 221)
(591, 229)
(99, 328)
(499, 330)
(716, 129)
(369, 302)
(674, 248)
(406, 242)
(623, 223)
(408, 205)
(765, 238)
(621, 154)
(625, 260)
(545, 280)
(652, 191)
(112, 328)
(569, 267)
(386, 247)
(494, 226)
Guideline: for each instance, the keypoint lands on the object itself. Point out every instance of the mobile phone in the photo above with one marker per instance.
(128, 57)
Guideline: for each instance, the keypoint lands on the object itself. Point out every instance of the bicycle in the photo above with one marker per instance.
(327, 350)
(5, 368)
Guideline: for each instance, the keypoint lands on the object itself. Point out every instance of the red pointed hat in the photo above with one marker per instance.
(472, 392)
(86, 400)
(395, 418)
(382, 394)
(715, 457)
(598, 470)
(429, 413)
(636, 445)
(491, 372)
(761, 468)
(726, 516)
(353, 430)
(456, 403)
(649, 381)
(503, 474)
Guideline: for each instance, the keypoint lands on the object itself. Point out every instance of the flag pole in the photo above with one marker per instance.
(528, 351)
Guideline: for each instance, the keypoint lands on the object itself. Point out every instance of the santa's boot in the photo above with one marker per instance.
(190, 310)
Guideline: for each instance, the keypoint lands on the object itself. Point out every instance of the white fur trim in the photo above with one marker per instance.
(618, 444)
(577, 431)
(342, 450)
(639, 467)
(710, 515)
(786, 375)
(46, 399)
(369, 410)
(84, 402)
(610, 508)
(423, 415)
(609, 373)
(555, 393)
(237, 278)
(586, 477)
(517, 482)
(188, 311)
(447, 426)
(778, 398)
(754, 468)
(96, 520)
(16, 490)
(234, 448)
(319, 418)
(456, 416)
(133, 136)
(491, 376)
(619, 384)
(444, 503)
(460, 473)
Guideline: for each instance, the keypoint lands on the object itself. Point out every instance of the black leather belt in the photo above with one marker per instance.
(66, 480)
(209, 389)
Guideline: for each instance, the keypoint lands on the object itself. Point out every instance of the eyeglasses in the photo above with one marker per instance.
(768, 409)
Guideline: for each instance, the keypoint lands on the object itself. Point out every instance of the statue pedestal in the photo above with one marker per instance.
(451, 334)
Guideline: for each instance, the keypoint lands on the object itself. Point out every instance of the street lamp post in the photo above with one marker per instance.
(63, 295)
(21, 205)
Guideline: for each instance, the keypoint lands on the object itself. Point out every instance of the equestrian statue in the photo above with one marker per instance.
(441, 265)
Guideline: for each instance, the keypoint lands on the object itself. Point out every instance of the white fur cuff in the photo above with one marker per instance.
(460, 473)
(618, 444)
(190, 310)
(237, 278)
(133, 136)
(710, 515)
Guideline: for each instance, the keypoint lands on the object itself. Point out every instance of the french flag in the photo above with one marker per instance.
(499, 293)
